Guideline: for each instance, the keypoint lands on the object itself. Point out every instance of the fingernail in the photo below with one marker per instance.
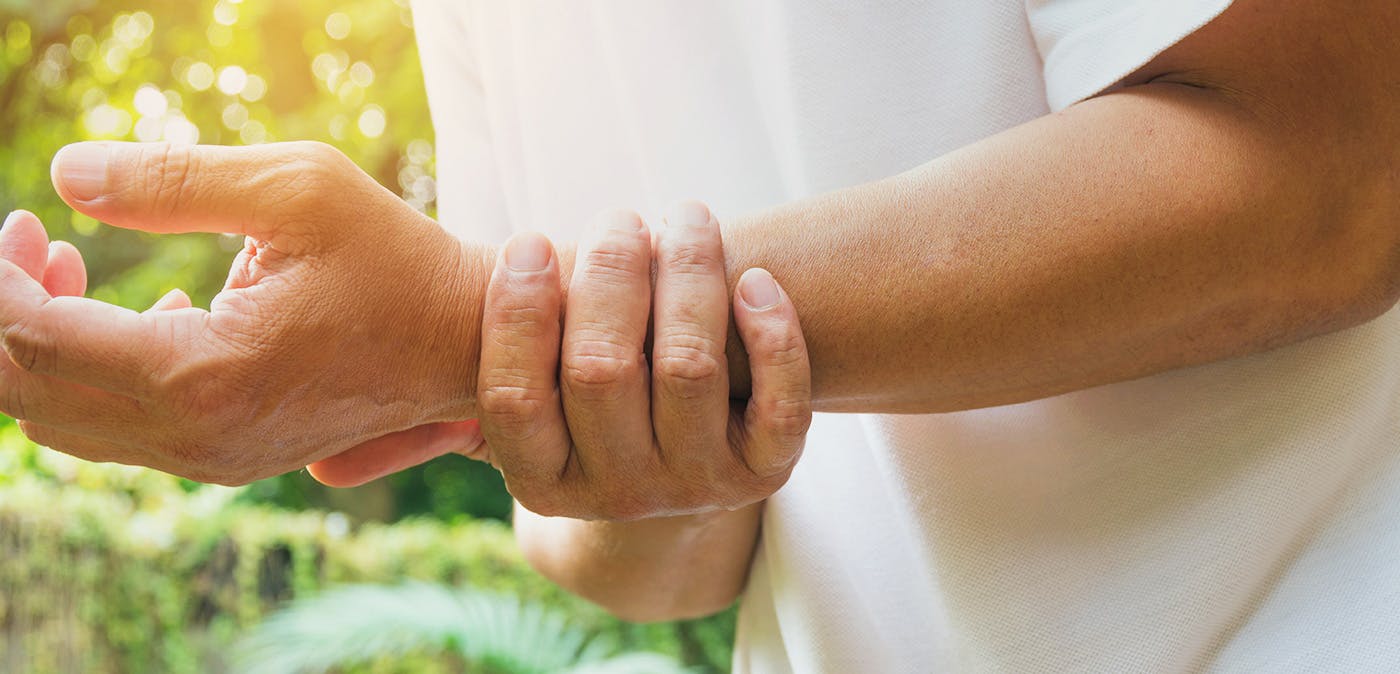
(688, 214)
(527, 252)
(14, 215)
(758, 289)
(623, 221)
(82, 167)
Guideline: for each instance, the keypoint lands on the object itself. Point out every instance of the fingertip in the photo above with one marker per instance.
(758, 290)
(79, 171)
(622, 221)
(24, 241)
(16, 216)
(328, 472)
(22, 221)
(65, 249)
(395, 452)
(689, 213)
(66, 275)
(175, 299)
(528, 252)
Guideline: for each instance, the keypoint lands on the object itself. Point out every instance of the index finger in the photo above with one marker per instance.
(267, 191)
(89, 342)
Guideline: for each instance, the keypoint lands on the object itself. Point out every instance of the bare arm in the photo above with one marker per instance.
(1240, 194)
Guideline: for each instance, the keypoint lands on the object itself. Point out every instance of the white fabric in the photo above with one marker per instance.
(1240, 516)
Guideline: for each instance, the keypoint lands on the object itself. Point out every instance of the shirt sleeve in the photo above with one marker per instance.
(1087, 46)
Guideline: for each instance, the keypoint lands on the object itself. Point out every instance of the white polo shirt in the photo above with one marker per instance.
(1239, 516)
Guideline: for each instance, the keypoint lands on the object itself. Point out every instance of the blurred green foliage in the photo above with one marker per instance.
(114, 569)
(226, 72)
(495, 632)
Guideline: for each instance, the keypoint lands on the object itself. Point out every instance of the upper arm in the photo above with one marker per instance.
(1306, 66)
(1318, 84)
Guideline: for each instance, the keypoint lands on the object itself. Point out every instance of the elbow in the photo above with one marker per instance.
(629, 592)
(657, 610)
(1363, 270)
(1343, 264)
(634, 599)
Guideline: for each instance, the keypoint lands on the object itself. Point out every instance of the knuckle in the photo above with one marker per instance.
(788, 417)
(688, 369)
(610, 264)
(29, 348)
(691, 256)
(320, 153)
(167, 177)
(780, 349)
(511, 401)
(600, 376)
(542, 502)
(312, 160)
(523, 322)
(303, 178)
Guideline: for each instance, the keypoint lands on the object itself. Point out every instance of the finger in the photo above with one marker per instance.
(82, 447)
(690, 383)
(89, 342)
(779, 411)
(66, 275)
(65, 406)
(270, 192)
(175, 299)
(24, 243)
(518, 397)
(604, 379)
(396, 452)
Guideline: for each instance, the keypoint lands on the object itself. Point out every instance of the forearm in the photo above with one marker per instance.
(648, 570)
(1151, 229)
(1135, 233)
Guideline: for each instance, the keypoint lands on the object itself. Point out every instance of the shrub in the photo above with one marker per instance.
(114, 569)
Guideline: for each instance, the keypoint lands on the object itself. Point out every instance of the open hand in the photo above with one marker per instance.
(348, 316)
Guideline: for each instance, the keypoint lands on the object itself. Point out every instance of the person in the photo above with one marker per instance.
(1098, 297)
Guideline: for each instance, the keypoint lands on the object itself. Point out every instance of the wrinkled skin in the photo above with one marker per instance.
(345, 318)
(348, 335)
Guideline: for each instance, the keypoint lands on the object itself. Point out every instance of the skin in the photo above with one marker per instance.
(1238, 194)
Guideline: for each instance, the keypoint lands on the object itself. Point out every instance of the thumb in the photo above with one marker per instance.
(270, 192)
(392, 453)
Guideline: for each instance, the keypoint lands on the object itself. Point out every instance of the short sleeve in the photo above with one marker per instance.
(1087, 46)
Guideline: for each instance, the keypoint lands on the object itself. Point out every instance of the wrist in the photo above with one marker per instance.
(473, 265)
(463, 296)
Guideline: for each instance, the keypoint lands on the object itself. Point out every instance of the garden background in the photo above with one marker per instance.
(116, 569)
